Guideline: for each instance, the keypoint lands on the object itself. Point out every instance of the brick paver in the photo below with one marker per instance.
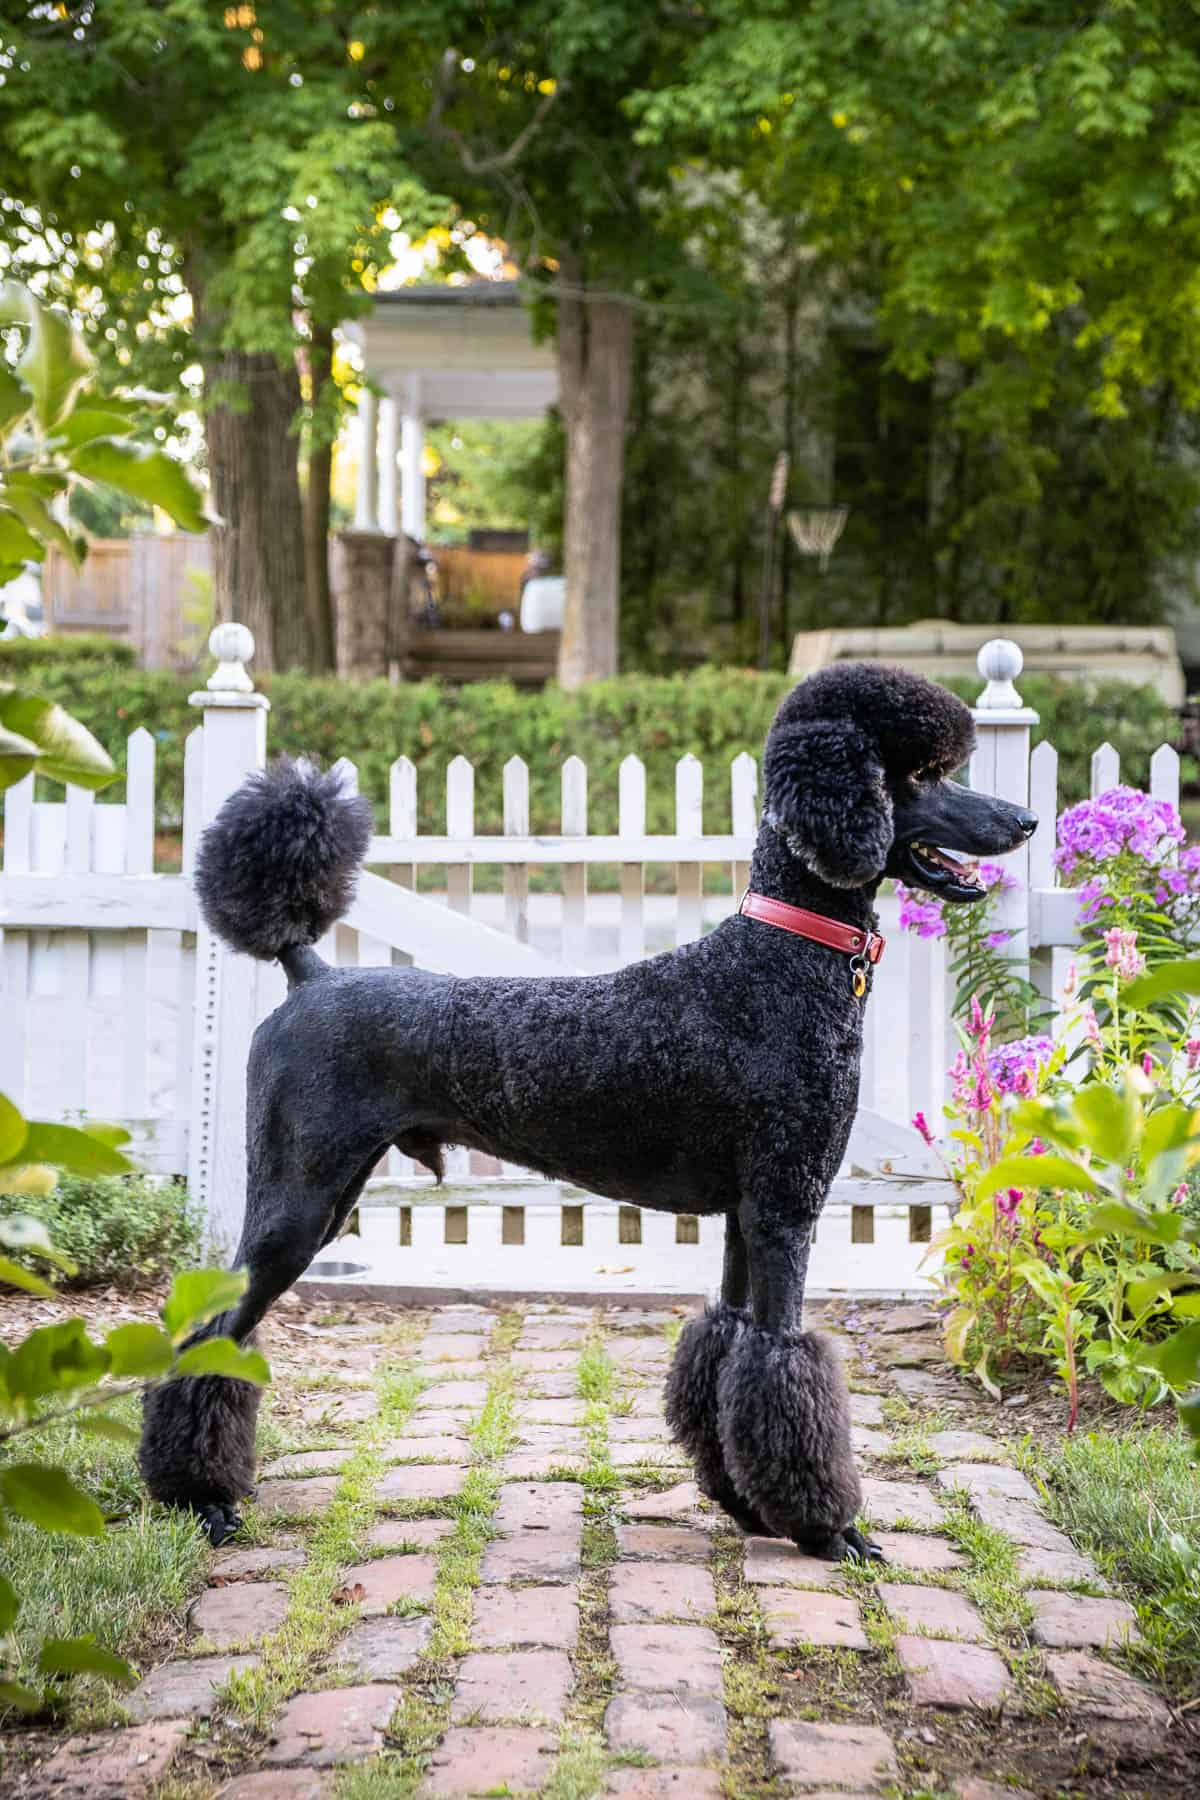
(899, 1503)
(551, 1412)
(909, 1550)
(956, 1444)
(510, 1618)
(866, 1409)
(540, 1506)
(991, 1481)
(665, 1784)
(440, 1421)
(383, 1649)
(490, 1759)
(185, 1689)
(442, 1394)
(539, 1465)
(526, 1686)
(953, 1675)
(451, 1346)
(428, 1450)
(422, 1481)
(652, 1590)
(251, 1565)
(679, 1502)
(408, 1534)
(673, 1728)
(280, 1784)
(539, 1555)
(238, 1616)
(663, 1543)
(297, 1499)
(772, 1562)
(937, 1612)
(337, 1726)
(1054, 1568)
(675, 1658)
(1103, 1691)
(1074, 1622)
(306, 1462)
(113, 1765)
(858, 1756)
(388, 1580)
(800, 1616)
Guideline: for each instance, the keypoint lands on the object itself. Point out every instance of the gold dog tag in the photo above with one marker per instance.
(860, 984)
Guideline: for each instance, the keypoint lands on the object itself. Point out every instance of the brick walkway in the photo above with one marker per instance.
(498, 1577)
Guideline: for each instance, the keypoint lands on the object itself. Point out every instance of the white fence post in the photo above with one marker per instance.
(234, 741)
(1000, 766)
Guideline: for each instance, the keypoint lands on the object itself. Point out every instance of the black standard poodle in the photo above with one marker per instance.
(718, 1078)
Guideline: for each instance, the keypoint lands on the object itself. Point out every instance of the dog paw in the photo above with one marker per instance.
(218, 1522)
(859, 1548)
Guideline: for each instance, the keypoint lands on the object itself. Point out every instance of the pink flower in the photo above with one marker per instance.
(1147, 1064)
(997, 939)
(1091, 1027)
(1121, 953)
(1071, 984)
(1007, 1203)
(921, 1124)
(1180, 1194)
(1193, 1053)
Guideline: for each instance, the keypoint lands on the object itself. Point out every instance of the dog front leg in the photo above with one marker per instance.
(782, 1407)
(691, 1390)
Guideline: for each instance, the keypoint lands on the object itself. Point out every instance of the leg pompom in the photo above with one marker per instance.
(197, 1447)
(784, 1421)
(691, 1406)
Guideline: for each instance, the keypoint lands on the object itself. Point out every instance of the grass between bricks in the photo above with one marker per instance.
(291, 1656)
(422, 1715)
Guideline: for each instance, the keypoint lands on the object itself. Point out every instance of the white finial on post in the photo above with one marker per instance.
(999, 662)
(233, 646)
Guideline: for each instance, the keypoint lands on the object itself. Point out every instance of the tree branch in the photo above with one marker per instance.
(495, 162)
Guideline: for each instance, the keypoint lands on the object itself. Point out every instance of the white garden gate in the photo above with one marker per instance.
(117, 1003)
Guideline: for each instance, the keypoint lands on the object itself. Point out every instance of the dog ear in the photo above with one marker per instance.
(826, 794)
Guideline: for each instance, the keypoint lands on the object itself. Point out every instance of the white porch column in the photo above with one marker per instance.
(366, 515)
(388, 426)
(412, 476)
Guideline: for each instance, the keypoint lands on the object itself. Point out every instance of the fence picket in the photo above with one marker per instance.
(1043, 800)
(402, 814)
(460, 823)
(14, 1040)
(689, 823)
(516, 824)
(574, 875)
(1106, 769)
(76, 957)
(193, 810)
(1164, 775)
(139, 860)
(743, 807)
(631, 823)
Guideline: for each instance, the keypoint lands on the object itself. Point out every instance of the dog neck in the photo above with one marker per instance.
(775, 872)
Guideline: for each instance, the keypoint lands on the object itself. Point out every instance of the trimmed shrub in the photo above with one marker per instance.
(712, 713)
(120, 1230)
(54, 652)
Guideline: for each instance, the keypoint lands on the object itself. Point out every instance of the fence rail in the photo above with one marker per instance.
(117, 1003)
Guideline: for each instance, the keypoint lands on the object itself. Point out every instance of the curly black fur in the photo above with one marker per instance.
(691, 1405)
(198, 1443)
(720, 1078)
(277, 866)
(783, 1418)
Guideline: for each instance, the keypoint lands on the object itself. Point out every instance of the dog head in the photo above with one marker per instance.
(857, 783)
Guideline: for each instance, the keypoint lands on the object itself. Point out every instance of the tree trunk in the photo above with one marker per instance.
(258, 548)
(316, 505)
(595, 355)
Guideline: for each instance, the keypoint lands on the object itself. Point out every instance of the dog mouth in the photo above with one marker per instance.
(950, 874)
(938, 863)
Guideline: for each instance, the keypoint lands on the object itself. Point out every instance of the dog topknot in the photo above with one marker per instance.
(912, 722)
(278, 865)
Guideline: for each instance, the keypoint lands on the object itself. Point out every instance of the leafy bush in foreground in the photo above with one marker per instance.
(120, 1229)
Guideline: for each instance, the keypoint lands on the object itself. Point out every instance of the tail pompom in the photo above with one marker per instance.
(278, 865)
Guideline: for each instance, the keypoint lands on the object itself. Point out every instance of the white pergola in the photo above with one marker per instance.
(438, 353)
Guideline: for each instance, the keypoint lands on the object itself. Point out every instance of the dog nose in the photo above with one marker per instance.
(1027, 821)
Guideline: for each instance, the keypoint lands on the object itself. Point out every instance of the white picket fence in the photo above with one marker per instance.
(118, 1004)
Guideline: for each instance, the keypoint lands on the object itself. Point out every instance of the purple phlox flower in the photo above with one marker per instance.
(997, 939)
(1180, 1194)
(1121, 953)
(921, 1124)
(1035, 1147)
(1123, 818)
(1147, 1064)
(995, 875)
(1008, 1202)
(1016, 1068)
(1193, 1053)
(924, 916)
(1092, 900)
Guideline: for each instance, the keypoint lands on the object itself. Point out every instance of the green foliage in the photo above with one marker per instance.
(54, 652)
(1130, 1500)
(119, 1231)
(714, 713)
(58, 1373)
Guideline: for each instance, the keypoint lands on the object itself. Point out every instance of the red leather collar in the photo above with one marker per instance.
(831, 932)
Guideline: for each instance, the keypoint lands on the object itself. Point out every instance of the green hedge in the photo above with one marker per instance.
(713, 713)
(119, 1230)
(55, 652)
